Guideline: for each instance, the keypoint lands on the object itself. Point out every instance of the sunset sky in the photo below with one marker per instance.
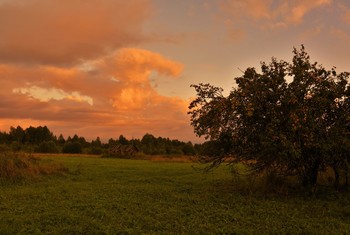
(110, 67)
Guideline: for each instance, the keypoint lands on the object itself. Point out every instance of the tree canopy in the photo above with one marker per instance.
(292, 118)
(42, 140)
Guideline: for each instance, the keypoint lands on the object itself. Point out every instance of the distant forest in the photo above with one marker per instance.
(42, 140)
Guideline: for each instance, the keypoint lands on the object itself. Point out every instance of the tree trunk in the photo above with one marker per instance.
(336, 177)
(346, 177)
(340, 168)
(309, 178)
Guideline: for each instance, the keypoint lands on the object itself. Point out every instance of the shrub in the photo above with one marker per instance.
(47, 147)
(72, 147)
(16, 146)
(95, 150)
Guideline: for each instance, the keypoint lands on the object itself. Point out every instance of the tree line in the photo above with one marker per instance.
(42, 140)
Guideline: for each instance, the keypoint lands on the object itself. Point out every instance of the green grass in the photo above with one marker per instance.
(115, 196)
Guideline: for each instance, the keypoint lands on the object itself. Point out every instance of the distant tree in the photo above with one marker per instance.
(72, 147)
(61, 140)
(69, 139)
(78, 139)
(122, 140)
(83, 142)
(47, 147)
(97, 142)
(75, 138)
(149, 143)
(188, 149)
(36, 135)
(17, 134)
(96, 146)
(135, 142)
(291, 128)
(3, 137)
(112, 142)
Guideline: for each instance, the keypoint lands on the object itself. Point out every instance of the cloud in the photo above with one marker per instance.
(72, 65)
(340, 34)
(312, 33)
(43, 94)
(67, 32)
(103, 97)
(270, 13)
(345, 13)
(132, 69)
(233, 34)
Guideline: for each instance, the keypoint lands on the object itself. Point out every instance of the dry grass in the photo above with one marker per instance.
(171, 159)
(164, 158)
(66, 155)
(19, 166)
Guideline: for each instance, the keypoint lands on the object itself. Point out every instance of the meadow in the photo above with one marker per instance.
(120, 196)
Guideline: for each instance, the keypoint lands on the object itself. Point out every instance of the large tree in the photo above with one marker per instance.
(292, 118)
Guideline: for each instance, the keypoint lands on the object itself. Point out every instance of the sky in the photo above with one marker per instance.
(104, 68)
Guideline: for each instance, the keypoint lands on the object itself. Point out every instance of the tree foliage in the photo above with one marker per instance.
(47, 147)
(152, 145)
(292, 118)
(72, 147)
(42, 140)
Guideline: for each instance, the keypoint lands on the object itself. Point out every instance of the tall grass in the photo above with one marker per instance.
(270, 183)
(20, 166)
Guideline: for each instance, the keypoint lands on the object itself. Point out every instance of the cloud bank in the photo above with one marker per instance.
(65, 32)
(74, 65)
(113, 92)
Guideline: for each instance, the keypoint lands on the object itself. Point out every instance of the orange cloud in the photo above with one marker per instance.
(345, 13)
(62, 32)
(271, 13)
(133, 68)
(312, 33)
(65, 64)
(340, 34)
(301, 8)
(104, 97)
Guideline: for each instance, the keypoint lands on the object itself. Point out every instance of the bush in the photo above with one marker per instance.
(188, 150)
(95, 150)
(72, 147)
(16, 146)
(47, 147)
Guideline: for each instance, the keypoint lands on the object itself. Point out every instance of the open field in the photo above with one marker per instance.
(114, 196)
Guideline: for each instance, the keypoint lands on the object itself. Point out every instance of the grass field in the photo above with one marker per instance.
(114, 196)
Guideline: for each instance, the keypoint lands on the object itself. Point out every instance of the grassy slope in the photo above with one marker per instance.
(112, 196)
